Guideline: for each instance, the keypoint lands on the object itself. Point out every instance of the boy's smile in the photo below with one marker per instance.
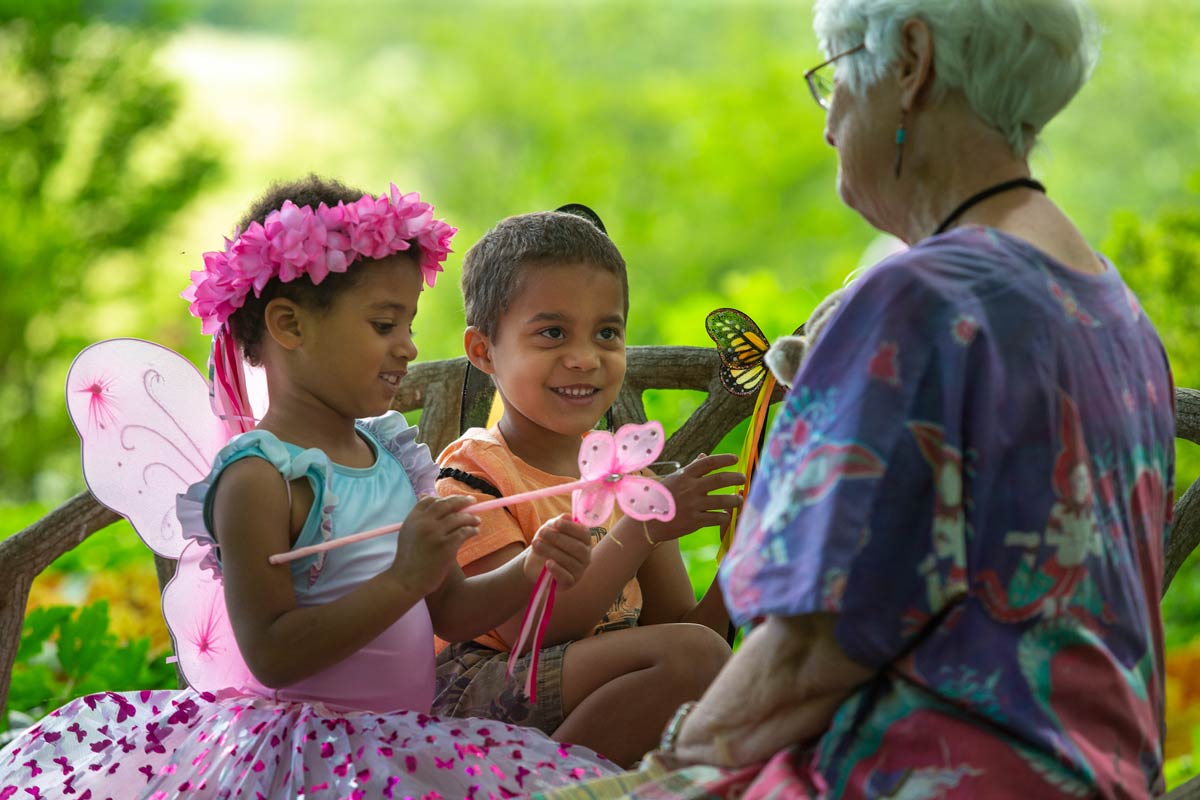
(558, 360)
(580, 393)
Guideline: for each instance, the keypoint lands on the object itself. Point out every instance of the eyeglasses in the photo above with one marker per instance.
(820, 78)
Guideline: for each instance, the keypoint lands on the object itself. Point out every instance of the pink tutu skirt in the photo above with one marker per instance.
(168, 743)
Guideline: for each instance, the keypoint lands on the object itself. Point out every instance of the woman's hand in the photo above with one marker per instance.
(563, 547)
(429, 540)
(781, 688)
(696, 506)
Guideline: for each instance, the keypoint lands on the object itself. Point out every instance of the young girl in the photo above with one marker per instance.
(320, 288)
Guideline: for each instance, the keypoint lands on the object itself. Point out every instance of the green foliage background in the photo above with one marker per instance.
(133, 135)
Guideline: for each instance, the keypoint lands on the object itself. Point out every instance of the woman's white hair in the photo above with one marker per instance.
(1018, 62)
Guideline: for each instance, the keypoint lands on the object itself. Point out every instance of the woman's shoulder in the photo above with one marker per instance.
(965, 266)
(909, 280)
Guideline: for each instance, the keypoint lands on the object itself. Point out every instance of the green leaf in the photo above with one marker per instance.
(40, 624)
(84, 640)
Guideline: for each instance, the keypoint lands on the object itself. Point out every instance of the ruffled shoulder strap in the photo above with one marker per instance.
(394, 434)
(194, 507)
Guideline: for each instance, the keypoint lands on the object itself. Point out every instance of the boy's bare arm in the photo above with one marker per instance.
(615, 560)
(666, 589)
(465, 607)
(668, 595)
(711, 611)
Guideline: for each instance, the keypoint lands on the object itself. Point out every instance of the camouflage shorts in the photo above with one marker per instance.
(472, 681)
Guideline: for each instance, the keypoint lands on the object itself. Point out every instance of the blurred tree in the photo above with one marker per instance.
(90, 166)
(688, 126)
(1160, 259)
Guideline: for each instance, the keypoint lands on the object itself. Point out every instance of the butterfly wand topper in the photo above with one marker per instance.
(607, 466)
(742, 347)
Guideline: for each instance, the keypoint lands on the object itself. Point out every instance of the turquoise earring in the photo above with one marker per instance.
(901, 135)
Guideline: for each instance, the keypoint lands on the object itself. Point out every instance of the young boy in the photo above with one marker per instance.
(546, 302)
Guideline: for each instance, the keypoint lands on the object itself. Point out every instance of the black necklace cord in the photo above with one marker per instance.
(991, 191)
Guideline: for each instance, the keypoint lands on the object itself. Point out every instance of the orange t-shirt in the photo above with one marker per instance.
(485, 454)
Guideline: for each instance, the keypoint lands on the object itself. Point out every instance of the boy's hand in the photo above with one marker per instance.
(563, 547)
(429, 540)
(695, 505)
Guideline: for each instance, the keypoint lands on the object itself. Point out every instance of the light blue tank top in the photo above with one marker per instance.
(396, 669)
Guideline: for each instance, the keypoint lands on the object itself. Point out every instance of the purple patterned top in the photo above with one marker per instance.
(974, 472)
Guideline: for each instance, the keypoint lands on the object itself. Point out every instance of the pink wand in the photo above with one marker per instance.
(604, 460)
(474, 508)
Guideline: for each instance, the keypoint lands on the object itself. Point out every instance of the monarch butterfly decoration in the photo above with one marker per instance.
(742, 347)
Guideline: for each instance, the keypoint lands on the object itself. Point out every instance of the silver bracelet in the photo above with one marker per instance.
(667, 743)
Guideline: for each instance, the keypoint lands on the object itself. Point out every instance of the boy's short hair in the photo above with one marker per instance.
(494, 267)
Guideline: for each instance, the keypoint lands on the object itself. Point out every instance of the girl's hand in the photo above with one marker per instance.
(429, 540)
(563, 547)
(695, 505)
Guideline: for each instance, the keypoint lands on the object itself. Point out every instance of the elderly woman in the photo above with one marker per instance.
(953, 549)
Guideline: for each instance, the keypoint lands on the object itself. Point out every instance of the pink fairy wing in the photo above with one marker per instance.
(194, 606)
(637, 446)
(147, 432)
(592, 505)
(643, 498)
(597, 455)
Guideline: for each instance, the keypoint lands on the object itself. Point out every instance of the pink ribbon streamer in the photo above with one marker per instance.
(537, 614)
(536, 621)
(230, 400)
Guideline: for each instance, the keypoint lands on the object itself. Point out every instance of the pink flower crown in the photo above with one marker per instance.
(296, 241)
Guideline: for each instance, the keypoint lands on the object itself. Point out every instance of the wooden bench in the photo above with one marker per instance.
(450, 397)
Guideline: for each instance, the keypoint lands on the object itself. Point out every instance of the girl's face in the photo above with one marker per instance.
(359, 349)
(558, 357)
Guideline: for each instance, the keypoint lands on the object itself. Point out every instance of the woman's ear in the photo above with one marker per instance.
(915, 63)
(479, 349)
(284, 323)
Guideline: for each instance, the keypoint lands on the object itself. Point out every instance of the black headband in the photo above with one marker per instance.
(580, 210)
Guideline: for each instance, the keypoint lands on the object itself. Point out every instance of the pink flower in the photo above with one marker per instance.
(297, 242)
(412, 216)
(434, 240)
(338, 252)
(375, 231)
(251, 254)
(216, 292)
